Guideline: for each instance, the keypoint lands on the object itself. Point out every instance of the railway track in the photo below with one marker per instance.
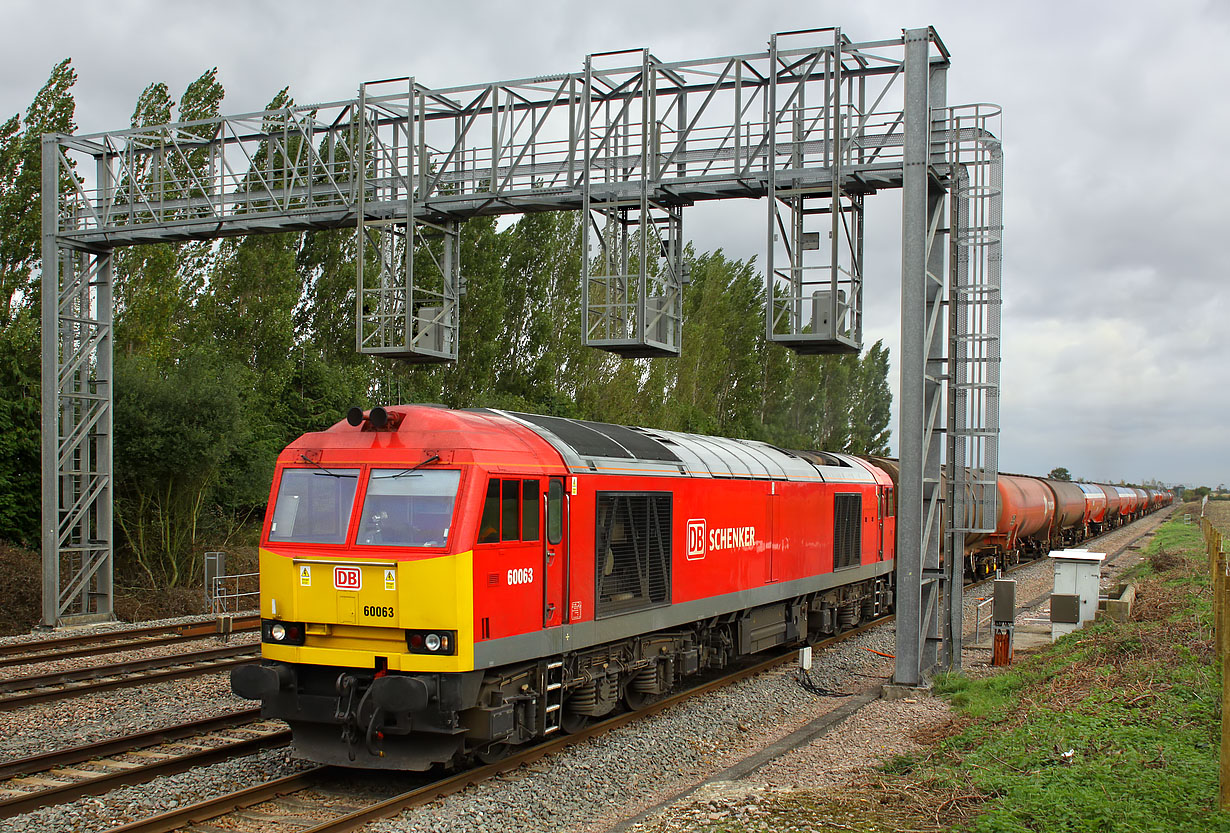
(111, 642)
(1110, 557)
(96, 768)
(41, 688)
(297, 802)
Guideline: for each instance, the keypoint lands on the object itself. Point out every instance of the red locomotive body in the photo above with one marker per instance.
(438, 584)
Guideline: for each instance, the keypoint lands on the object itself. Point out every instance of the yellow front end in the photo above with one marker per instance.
(368, 619)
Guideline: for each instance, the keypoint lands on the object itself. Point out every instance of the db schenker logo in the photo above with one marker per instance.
(347, 578)
(697, 533)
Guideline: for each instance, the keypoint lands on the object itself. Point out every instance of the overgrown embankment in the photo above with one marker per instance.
(1114, 728)
(21, 598)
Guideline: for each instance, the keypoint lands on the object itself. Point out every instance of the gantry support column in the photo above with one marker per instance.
(77, 406)
(923, 335)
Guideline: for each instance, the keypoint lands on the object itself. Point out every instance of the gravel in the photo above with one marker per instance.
(44, 727)
(160, 795)
(593, 786)
(175, 649)
(104, 627)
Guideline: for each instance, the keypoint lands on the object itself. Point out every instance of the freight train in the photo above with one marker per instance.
(440, 585)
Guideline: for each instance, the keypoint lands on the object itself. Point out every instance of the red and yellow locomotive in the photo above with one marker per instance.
(440, 584)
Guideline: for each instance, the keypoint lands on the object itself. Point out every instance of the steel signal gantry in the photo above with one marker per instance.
(814, 125)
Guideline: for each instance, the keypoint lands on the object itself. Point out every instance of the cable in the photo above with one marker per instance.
(803, 678)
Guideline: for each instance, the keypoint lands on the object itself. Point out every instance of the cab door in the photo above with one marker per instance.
(555, 555)
(771, 555)
(881, 511)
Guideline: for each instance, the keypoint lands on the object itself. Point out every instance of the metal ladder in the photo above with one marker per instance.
(553, 696)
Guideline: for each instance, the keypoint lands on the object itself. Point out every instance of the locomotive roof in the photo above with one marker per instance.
(599, 446)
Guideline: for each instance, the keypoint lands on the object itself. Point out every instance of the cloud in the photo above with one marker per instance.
(1114, 132)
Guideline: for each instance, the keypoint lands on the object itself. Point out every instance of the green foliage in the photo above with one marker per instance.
(21, 187)
(1060, 473)
(20, 252)
(225, 351)
(20, 449)
(175, 429)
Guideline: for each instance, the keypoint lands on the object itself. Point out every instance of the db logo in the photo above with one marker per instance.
(347, 578)
(696, 539)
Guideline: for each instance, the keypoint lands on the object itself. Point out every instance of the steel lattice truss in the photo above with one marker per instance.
(813, 125)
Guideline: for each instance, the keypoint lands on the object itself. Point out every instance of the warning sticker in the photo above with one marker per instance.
(575, 616)
(305, 575)
(390, 579)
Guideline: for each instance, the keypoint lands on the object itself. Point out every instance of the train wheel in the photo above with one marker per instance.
(571, 723)
(637, 701)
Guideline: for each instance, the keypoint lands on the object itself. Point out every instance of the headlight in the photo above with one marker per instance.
(282, 633)
(441, 643)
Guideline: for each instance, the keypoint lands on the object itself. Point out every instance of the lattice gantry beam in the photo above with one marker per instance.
(632, 280)
(409, 269)
(818, 107)
(77, 423)
(816, 124)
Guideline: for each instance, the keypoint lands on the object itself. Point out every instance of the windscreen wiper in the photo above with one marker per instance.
(324, 471)
(409, 472)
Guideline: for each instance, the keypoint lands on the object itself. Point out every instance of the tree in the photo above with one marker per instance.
(175, 430)
(20, 257)
(21, 193)
(1060, 473)
(152, 294)
(871, 404)
(20, 445)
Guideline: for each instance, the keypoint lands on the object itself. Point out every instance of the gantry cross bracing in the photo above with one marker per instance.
(812, 126)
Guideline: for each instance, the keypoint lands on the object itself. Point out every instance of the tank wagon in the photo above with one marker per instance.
(1035, 515)
(441, 585)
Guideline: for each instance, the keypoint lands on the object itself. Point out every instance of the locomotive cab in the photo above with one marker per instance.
(367, 565)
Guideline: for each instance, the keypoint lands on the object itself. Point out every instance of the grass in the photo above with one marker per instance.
(1114, 728)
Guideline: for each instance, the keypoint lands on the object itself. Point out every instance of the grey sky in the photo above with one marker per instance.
(1114, 207)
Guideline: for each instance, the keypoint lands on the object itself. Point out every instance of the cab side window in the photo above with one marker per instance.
(531, 509)
(555, 511)
(511, 511)
(510, 516)
(489, 526)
